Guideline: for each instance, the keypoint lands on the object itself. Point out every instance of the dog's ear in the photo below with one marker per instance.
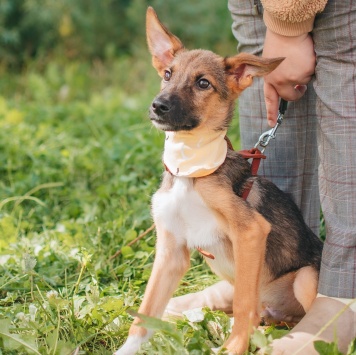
(162, 44)
(242, 68)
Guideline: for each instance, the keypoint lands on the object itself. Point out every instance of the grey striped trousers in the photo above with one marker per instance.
(313, 157)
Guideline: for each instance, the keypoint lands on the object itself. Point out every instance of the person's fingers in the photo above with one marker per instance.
(272, 102)
(291, 93)
(272, 99)
(301, 88)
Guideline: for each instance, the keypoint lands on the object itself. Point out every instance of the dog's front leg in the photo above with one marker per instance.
(171, 262)
(247, 231)
(249, 246)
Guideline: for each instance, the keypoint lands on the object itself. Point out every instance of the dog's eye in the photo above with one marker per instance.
(203, 84)
(167, 75)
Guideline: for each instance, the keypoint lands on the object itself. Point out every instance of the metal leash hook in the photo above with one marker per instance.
(271, 133)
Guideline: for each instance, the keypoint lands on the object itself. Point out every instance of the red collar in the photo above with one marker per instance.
(256, 156)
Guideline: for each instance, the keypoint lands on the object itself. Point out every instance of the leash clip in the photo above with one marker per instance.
(265, 137)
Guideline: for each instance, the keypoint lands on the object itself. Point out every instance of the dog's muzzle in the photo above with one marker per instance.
(168, 113)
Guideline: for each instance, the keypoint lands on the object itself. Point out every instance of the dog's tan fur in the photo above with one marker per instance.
(244, 230)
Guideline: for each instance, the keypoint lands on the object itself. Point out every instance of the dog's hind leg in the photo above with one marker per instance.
(217, 297)
(305, 286)
(171, 262)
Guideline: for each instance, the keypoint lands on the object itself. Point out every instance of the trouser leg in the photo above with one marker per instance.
(335, 41)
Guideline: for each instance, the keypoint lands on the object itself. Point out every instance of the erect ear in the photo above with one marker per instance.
(242, 68)
(162, 44)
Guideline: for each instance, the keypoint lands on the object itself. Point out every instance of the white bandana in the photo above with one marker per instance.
(194, 154)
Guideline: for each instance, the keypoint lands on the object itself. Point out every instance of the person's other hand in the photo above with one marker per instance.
(291, 76)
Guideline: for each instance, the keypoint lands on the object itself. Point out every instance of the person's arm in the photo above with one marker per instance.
(291, 17)
(288, 23)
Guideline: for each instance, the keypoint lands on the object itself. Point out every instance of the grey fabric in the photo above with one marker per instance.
(322, 123)
(335, 41)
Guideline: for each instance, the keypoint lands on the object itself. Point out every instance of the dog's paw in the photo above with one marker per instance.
(236, 345)
(132, 345)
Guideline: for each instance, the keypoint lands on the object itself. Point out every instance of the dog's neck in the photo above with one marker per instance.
(195, 153)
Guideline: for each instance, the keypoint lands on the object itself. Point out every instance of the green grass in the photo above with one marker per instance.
(79, 162)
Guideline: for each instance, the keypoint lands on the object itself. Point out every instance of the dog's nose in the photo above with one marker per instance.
(160, 106)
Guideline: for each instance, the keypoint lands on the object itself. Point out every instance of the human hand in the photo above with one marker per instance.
(289, 79)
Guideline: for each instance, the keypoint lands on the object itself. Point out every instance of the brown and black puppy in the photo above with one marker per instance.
(261, 246)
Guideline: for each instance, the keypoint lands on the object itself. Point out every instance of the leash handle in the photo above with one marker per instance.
(281, 111)
(283, 106)
(271, 134)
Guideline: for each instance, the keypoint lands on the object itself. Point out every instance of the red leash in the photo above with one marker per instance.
(263, 141)
(256, 156)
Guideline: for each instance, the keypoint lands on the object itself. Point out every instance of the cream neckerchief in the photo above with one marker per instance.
(194, 154)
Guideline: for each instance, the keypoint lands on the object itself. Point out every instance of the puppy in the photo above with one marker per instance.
(261, 246)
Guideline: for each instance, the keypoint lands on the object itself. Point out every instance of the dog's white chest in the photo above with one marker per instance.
(183, 213)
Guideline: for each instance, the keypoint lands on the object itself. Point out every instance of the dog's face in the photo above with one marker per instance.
(198, 87)
(193, 93)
